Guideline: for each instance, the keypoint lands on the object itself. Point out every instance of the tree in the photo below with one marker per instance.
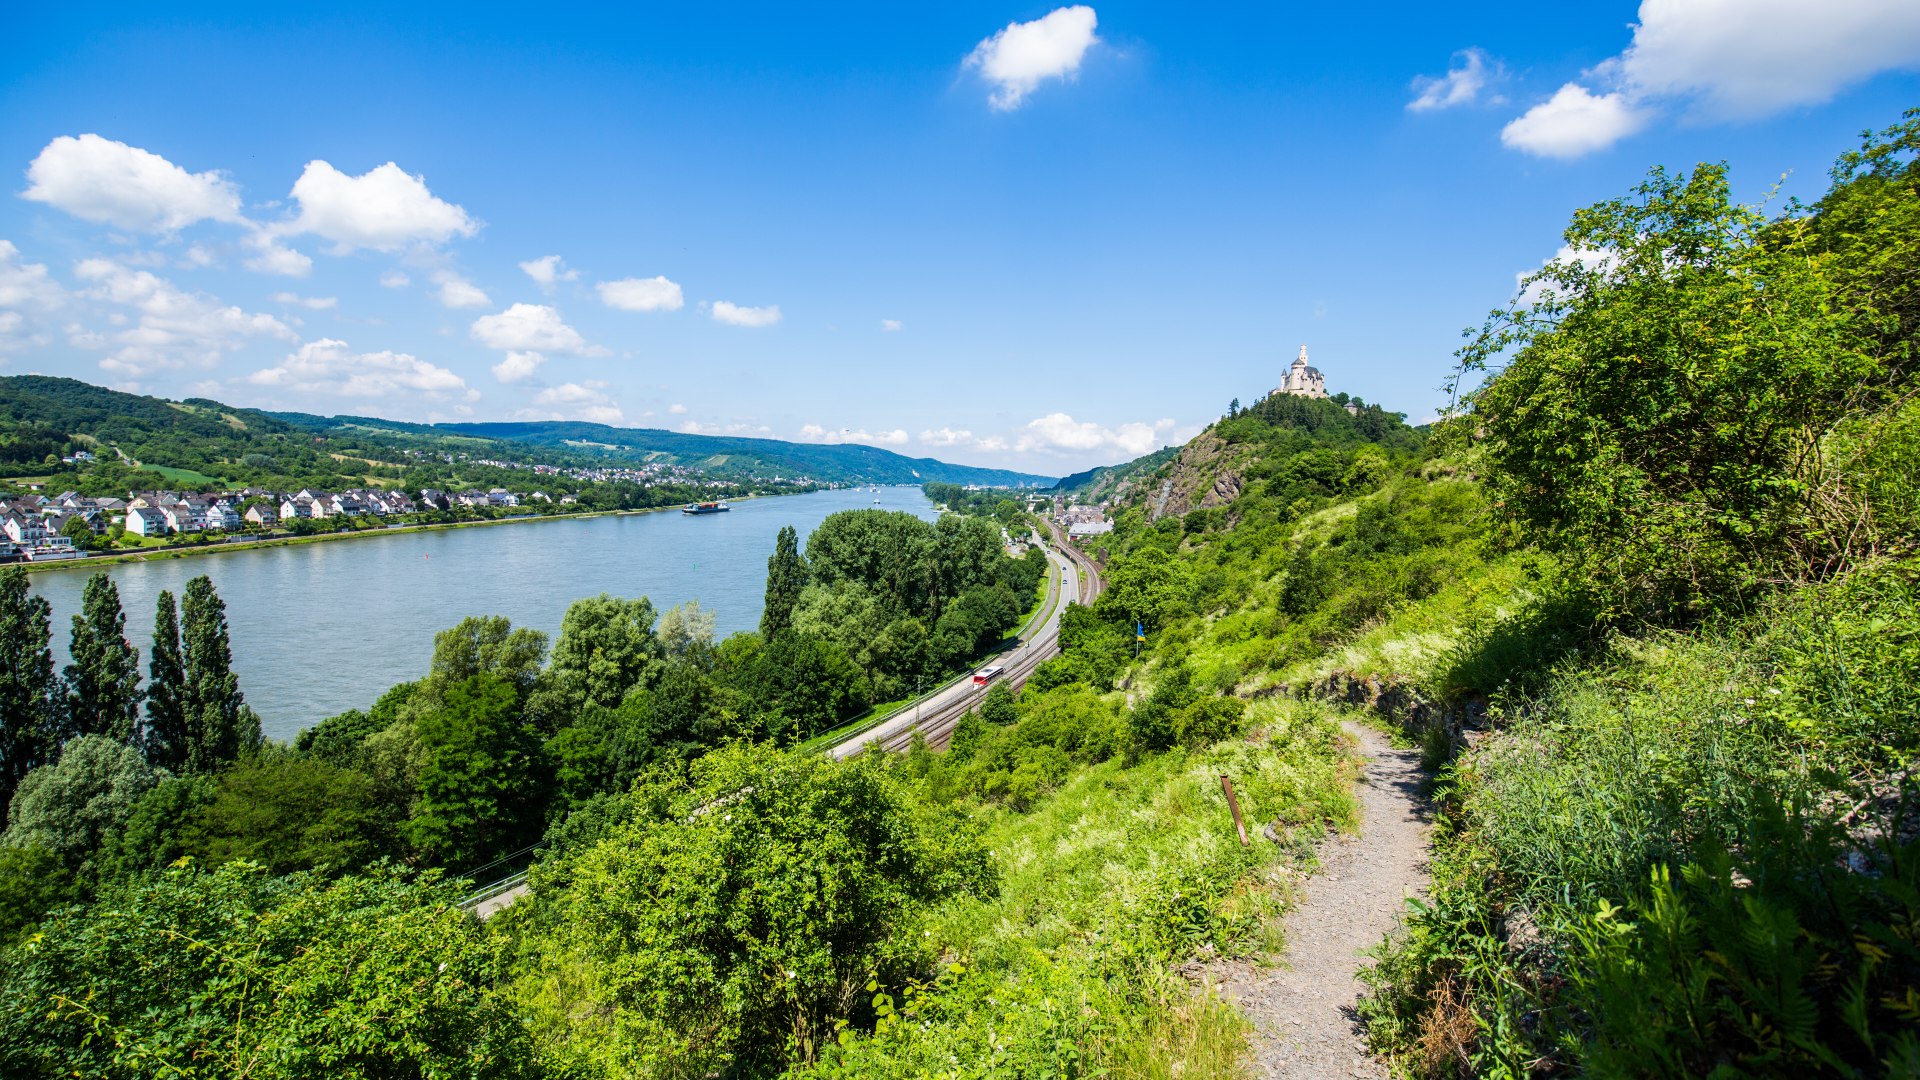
(786, 576)
(77, 530)
(484, 645)
(1149, 586)
(686, 631)
(479, 783)
(30, 725)
(288, 813)
(607, 647)
(69, 806)
(167, 740)
(220, 727)
(103, 682)
(802, 685)
(725, 921)
(1233, 408)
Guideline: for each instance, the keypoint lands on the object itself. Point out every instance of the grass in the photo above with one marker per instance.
(183, 476)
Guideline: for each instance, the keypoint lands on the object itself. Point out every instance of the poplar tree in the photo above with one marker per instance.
(219, 725)
(786, 576)
(166, 705)
(103, 682)
(30, 727)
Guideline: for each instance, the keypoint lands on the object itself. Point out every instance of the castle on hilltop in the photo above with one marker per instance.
(1303, 380)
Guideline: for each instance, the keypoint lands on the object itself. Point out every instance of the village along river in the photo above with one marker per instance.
(322, 628)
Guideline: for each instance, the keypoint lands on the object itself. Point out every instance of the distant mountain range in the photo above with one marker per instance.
(38, 413)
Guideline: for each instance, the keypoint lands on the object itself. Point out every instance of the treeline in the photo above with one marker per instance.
(1006, 507)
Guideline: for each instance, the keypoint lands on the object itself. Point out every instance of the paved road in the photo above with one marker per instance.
(940, 711)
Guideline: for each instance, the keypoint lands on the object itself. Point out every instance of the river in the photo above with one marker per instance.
(322, 628)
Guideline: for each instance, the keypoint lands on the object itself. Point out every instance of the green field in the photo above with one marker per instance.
(184, 476)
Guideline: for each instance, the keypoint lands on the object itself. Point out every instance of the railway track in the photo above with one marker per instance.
(1077, 580)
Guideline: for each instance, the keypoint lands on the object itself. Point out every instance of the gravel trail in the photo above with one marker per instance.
(1302, 1007)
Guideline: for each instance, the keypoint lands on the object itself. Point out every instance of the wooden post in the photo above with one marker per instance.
(1233, 804)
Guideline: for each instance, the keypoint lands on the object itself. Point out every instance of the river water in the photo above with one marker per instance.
(322, 628)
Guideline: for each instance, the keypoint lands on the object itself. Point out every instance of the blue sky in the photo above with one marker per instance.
(1031, 236)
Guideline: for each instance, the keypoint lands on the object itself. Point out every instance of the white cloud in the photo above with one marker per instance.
(458, 292)
(174, 327)
(546, 270)
(677, 409)
(1470, 73)
(329, 366)
(816, 433)
(199, 256)
(946, 436)
(642, 294)
(273, 257)
(1024, 54)
(1741, 59)
(1574, 122)
(518, 366)
(385, 209)
(1530, 293)
(890, 326)
(315, 303)
(98, 179)
(695, 427)
(395, 279)
(736, 315)
(587, 401)
(531, 328)
(24, 284)
(1722, 60)
(1058, 432)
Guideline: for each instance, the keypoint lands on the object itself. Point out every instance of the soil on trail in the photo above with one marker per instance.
(1302, 1007)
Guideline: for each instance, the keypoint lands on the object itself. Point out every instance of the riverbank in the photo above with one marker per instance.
(163, 554)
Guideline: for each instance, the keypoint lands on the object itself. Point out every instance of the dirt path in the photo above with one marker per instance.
(1302, 1007)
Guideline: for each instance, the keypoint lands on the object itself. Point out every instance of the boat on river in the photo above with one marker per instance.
(705, 508)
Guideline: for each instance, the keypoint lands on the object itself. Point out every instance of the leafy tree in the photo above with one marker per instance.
(1148, 586)
(237, 973)
(489, 645)
(340, 739)
(289, 813)
(997, 707)
(69, 806)
(168, 742)
(103, 682)
(220, 727)
(887, 551)
(724, 926)
(479, 787)
(802, 685)
(607, 647)
(686, 631)
(153, 835)
(1154, 723)
(33, 881)
(30, 723)
(77, 530)
(786, 576)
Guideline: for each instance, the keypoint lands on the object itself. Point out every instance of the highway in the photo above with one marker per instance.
(936, 714)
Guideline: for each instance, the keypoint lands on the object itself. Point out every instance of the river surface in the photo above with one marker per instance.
(322, 628)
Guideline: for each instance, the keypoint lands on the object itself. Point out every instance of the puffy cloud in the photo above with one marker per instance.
(546, 270)
(273, 257)
(395, 279)
(385, 209)
(1471, 72)
(947, 436)
(1722, 59)
(315, 303)
(531, 328)
(458, 292)
(587, 401)
(677, 409)
(329, 366)
(1057, 432)
(695, 427)
(642, 294)
(518, 366)
(174, 327)
(816, 433)
(98, 179)
(736, 315)
(1024, 54)
(1574, 122)
(890, 326)
(1748, 58)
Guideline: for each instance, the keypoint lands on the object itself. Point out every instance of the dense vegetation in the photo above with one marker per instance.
(1649, 602)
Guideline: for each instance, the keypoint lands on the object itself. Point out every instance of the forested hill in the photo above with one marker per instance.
(43, 418)
(715, 453)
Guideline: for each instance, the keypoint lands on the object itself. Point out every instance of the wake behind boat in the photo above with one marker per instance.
(704, 508)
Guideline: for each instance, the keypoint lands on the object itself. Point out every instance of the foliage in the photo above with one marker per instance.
(68, 807)
(233, 972)
(103, 681)
(738, 913)
(30, 730)
(478, 788)
(219, 725)
(33, 882)
(786, 576)
(607, 647)
(168, 739)
(287, 813)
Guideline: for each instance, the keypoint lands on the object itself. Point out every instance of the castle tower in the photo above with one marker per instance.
(1303, 380)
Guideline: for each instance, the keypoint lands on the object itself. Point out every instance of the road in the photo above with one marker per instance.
(937, 714)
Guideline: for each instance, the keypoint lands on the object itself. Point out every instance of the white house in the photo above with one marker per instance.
(146, 521)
